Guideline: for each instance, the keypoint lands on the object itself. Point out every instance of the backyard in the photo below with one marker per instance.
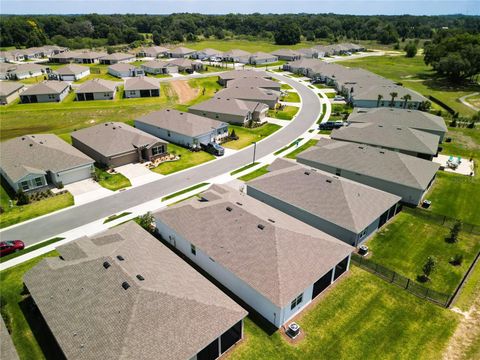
(247, 136)
(187, 159)
(465, 143)
(247, 45)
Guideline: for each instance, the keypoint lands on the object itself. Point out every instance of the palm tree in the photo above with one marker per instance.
(406, 97)
(393, 95)
(380, 97)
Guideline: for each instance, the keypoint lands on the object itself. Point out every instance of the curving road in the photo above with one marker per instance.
(49, 226)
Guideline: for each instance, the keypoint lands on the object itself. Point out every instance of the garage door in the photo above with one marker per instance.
(71, 176)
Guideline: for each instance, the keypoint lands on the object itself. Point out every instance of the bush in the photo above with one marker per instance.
(146, 220)
(453, 238)
(429, 266)
(410, 50)
(22, 198)
(60, 185)
(457, 260)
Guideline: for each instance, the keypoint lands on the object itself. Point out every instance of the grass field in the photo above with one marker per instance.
(243, 168)
(465, 143)
(184, 191)
(474, 100)
(291, 97)
(470, 291)
(363, 317)
(300, 149)
(187, 159)
(414, 74)
(287, 113)
(30, 249)
(112, 182)
(254, 174)
(404, 244)
(250, 46)
(249, 136)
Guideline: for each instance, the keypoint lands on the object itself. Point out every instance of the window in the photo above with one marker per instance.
(363, 233)
(193, 249)
(38, 181)
(297, 301)
(132, 92)
(338, 172)
(24, 185)
(168, 134)
(157, 150)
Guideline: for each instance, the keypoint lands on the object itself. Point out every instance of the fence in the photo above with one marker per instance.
(402, 281)
(442, 104)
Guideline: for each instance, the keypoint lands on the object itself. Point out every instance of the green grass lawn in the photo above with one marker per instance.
(116, 216)
(111, 181)
(291, 97)
(363, 317)
(249, 136)
(287, 113)
(184, 191)
(250, 46)
(302, 148)
(207, 87)
(187, 159)
(286, 87)
(30, 249)
(470, 291)
(330, 95)
(474, 100)
(269, 65)
(465, 143)
(254, 174)
(404, 245)
(244, 168)
(414, 74)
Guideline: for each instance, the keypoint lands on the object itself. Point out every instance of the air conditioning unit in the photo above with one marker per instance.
(363, 250)
(293, 330)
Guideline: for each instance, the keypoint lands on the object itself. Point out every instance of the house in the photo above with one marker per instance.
(182, 128)
(153, 52)
(258, 82)
(308, 53)
(186, 64)
(32, 162)
(49, 50)
(287, 54)
(159, 67)
(115, 144)
(71, 72)
(345, 209)
(64, 57)
(45, 91)
(96, 89)
(403, 175)
(414, 119)
(24, 71)
(5, 70)
(180, 52)
(227, 76)
(261, 57)
(207, 54)
(266, 96)
(10, 91)
(89, 57)
(6, 344)
(116, 58)
(273, 262)
(122, 70)
(396, 138)
(232, 111)
(236, 55)
(141, 87)
(122, 294)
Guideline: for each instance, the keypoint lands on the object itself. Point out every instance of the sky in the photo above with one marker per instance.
(357, 7)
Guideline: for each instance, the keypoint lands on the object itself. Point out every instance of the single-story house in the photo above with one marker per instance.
(10, 91)
(122, 70)
(414, 119)
(261, 57)
(45, 91)
(24, 71)
(233, 111)
(141, 87)
(206, 54)
(5, 70)
(96, 89)
(180, 52)
(115, 144)
(266, 96)
(9, 352)
(71, 72)
(32, 162)
(396, 138)
(236, 55)
(182, 128)
(258, 82)
(122, 294)
(367, 95)
(273, 262)
(153, 51)
(227, 76)
(186, 64)
(64, 57)
(343, 208)
(403, 175)
(287, 54)
(159, 67)
(116, 58)
(308, 53)
(89, 57)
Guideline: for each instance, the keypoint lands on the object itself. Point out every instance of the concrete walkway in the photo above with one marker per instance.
(464, 101)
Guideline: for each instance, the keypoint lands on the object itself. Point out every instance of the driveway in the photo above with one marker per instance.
(138, 174)
(86, 191)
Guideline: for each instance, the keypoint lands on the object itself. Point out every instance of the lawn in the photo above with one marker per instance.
(207, 87)
(470, 291)
(269, 65)
(254, 174)
(244, 168)
(116, 216)
(250, 46)
(288, 146)
(286, 87)
(302, 148)
(14, 311)
(248, 136)
(414, 74)
(111, 181)
(30, 249)
(187, 159)
(291, 97)
(474, 100)
(287, 113)
(465, 143)
(184, 191)
(363, 317)
(16, 214)
(404, 244)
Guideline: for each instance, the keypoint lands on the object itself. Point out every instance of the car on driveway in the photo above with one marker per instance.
(330, 125)
(213, 148)
(9, 247)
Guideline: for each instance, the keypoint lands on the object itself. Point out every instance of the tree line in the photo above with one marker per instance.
(77, 31)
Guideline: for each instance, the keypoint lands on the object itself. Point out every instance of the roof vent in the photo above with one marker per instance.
(120, 257)
(239, 203)
(23, 138)
(380, 125)
(106, 124)
(168, 109)
(106, 265)
(203, 199)
(399, 128)
(307, 172)
(329, 181)
(360, 147)
(271, 220)
(30, 145)
(229, 208)
(261, 227)
(125, 285)
(140, 277)
(382, 152)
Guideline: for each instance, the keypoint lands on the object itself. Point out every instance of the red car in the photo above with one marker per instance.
(8, 247)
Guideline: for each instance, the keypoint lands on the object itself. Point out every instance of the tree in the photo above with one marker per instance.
(406, 98)
(310, 36)
(287, 34)
(429, 266)
(457, 260)
(22, 198)
(393, 95)
(410, 50)
(146, 221)
(379, 98)
(455, 231)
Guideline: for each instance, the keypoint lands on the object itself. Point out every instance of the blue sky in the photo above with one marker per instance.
(359, 7)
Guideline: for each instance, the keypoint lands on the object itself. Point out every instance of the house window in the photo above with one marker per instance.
(133, 92)
(193, 249)
(157, 150)
(297, 301)
(24, 185)
(338, 172)
(38, 181)
(363, 233)
(168, 133)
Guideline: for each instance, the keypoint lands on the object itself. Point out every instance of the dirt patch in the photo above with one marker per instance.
(184, 91)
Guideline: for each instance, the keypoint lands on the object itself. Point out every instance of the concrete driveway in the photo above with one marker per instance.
(87, 190)
(138, 174)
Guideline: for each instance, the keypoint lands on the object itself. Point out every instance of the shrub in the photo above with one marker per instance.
(453, 238)
(146, 220)
(22, 198)
(429, 266)
(60, 185)
(457, 260)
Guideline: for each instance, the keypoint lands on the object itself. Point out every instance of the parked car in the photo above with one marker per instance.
(330, 125)
(9, 247)
(213, 148)
(339, 98)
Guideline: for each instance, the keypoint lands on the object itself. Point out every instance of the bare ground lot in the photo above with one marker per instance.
(184, 91)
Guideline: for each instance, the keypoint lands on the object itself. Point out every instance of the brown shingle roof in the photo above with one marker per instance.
(72, 69)
(47, 87)
(9, 87)
(142, 83)
(97, 85)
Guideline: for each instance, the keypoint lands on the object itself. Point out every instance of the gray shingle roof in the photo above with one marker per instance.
(23, 68)
(235, 53)
(9, 87)
(72, 69)
(114, 138)
(154, 50)
(229, 106)
(7, 349)
(258, 82)
(210, 52)
(248, 93)
(47, 87)
(260, 55)
(181, 122)
(90, 55)
(182, 50)
(156, 64)
(118, 56)
(122, 67)
(393, 137)
(286, 52)
(370, 161)
(39, 153)
(346, 203)
(66, 55)
(268, 260)
(97, 85)
(172, 314)
(238, 74)
(142, 83)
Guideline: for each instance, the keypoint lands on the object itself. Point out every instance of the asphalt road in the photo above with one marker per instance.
(52, 225)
